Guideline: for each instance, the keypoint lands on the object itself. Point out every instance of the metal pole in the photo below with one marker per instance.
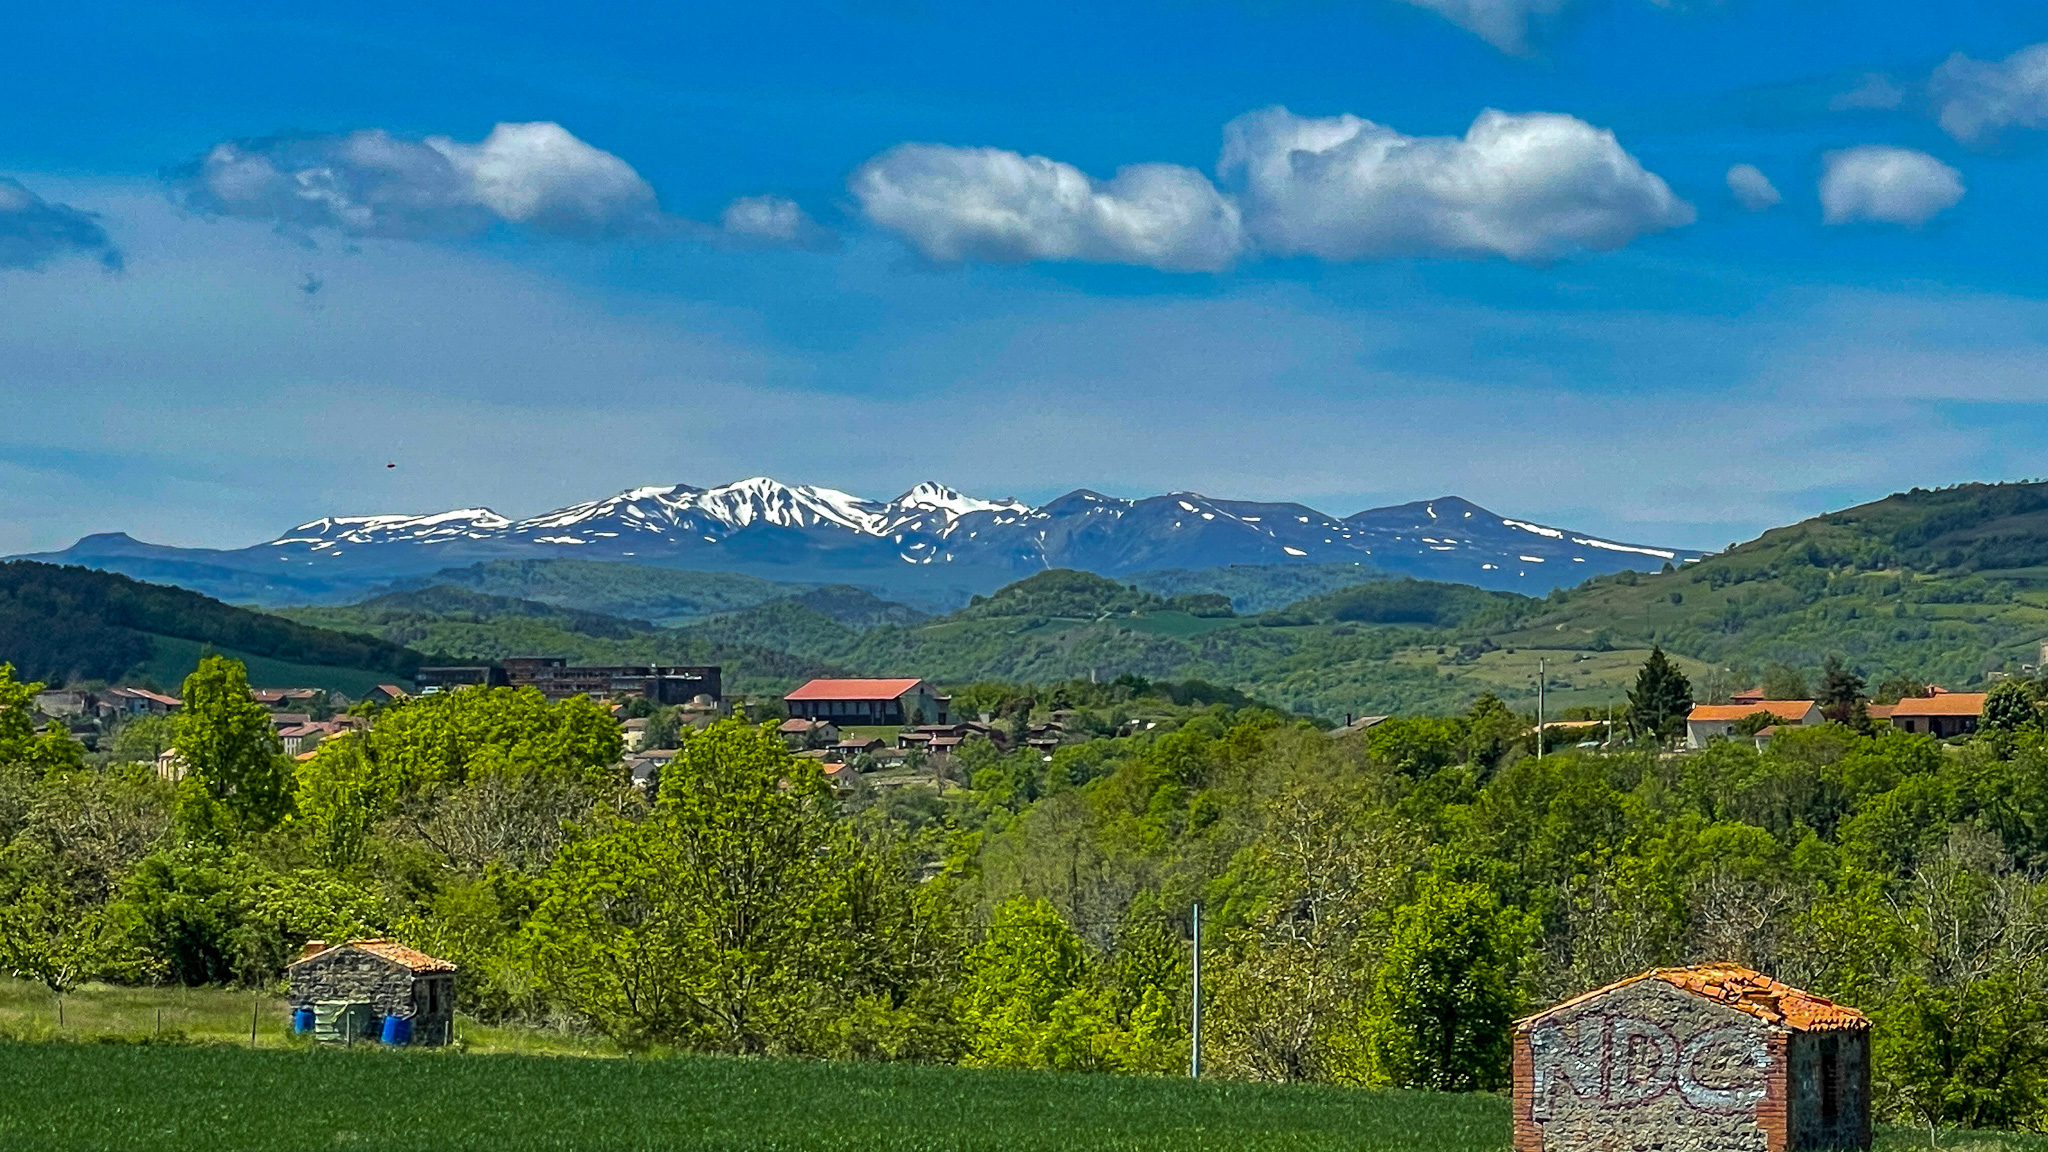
(1541, 677)
(255, 1008)
(1195, 1029)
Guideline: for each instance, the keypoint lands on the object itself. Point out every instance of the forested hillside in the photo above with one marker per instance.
(453, 625)
(61, 624)
(1942, 585)
(1936, 586)
(635, 591)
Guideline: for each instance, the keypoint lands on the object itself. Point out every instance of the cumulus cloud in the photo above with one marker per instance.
(1752, 188)
(773, 220)
(1884, 185)
(372, 183)
(1875, 93)
(34, 231)
(986, 203)
(1978, 99)
(1529, 187)
(1505, 24)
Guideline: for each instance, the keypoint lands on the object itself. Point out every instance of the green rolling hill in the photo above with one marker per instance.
(1945, 586)
(65, 624)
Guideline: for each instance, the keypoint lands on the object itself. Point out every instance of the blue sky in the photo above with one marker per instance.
(1350, 252)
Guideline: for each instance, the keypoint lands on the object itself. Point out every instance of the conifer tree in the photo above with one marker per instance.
(1840, 689)
(1658, 704)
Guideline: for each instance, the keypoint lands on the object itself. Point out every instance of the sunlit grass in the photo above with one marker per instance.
(104, 1085)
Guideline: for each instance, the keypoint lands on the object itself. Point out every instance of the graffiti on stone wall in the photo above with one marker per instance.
(1622, 1061)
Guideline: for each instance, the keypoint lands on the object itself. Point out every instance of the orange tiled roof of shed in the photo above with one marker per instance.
(1790, 710)
(395, 952)
(1745, 990)
(1946, 704)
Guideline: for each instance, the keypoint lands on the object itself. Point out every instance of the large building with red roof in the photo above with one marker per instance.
(870, 701)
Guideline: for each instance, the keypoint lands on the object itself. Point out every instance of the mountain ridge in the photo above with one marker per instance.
(932, 542)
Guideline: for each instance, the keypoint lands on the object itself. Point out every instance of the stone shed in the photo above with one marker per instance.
(368, 981)
(1716, 1058)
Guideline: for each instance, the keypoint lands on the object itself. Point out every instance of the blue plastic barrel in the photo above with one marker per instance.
(302, 1019)
(398, 1030)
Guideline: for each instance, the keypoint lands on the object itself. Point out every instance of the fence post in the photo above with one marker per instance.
(1195, 1021)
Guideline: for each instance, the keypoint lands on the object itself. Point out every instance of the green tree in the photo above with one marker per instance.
(1029, 998)
(143, 737)
(1753, 723)
(1783, 682)
(340, 796)
(742, 916)
(1840, 689)
(1448, 989)
(2010, 706)
(1893, 689)
(236, 774)
(1661, 699)
(47, 937)
(20, 743)
(1491, 730)
(1969, 1056)
(1418, 746)
(204, 913)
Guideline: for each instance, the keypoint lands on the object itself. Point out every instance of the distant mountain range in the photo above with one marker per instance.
(930, 545)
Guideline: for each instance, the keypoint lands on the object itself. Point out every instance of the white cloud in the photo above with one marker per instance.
(1875, 93)
(986, 203)
(1880, 184)
(1529, 187)
(1978, 99)
(34, 231)
(775, 220)
(371, 183)
(1504, 24)
(1752, 188)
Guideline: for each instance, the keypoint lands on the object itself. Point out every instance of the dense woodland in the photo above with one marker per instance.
(1378, 907)
(64, 624)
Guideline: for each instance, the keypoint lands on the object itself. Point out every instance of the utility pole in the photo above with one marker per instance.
(1541, 679)
(1195, 1023)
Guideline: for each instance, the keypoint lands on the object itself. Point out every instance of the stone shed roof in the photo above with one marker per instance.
(390, 950)
(1744, 990)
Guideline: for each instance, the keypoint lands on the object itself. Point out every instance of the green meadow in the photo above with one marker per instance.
(110, 1097)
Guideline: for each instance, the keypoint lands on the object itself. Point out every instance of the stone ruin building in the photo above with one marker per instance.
(354, 992)
(1715, 1058)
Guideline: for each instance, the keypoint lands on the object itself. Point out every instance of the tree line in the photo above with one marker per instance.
(1378, 908)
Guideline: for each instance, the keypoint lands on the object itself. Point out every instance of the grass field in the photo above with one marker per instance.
(513, 1090)
(99, 1013)
(174, 659)
(62, 1097)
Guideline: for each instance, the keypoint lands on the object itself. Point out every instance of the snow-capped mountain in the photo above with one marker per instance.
(931, 534)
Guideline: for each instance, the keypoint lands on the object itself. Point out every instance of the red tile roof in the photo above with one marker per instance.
(146, 694)
(1744, 990)
(853, 689)
(1790, 711)
(390, 950)
(1946, 704)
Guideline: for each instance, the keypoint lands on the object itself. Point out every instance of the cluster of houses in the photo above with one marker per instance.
(1940, 713)
(297, 732)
